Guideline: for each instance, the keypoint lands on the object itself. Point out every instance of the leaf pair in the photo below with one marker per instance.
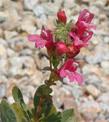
(18, 111)
(43, 111)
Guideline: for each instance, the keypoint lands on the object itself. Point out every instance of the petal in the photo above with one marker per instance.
(46, 34)
(33, 37)
(73, 77)
(81, 27)
(67, 65)
(40, 43)
(85, 26)
(62, 73)
(78, 78)
(86, 16)
(87, 36)
(77, 41)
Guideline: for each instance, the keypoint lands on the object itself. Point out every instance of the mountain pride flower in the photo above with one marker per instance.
(82, 33)
(69, 70)
(45, 39)
(72, 51)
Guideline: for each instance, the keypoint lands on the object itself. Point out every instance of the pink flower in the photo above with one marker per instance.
(85, 16)
(61, 48)
(45, 39)
(68, 70)
(39, 41)
(83, 31)
(62, 16)
(72, 51)
(46, 34)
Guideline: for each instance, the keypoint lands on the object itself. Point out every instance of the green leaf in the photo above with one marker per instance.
(6, 112)
(19, 113)
(47, 105)
(55, 117)
(53, 110)
(43, 90)
(42, 100)
(17, 95)
(55, 61)
(69, 116)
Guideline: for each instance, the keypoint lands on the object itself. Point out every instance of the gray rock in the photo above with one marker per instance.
(106, 39)
(1, 3)
(98, 3)
(100, 53)
(2, 90)
(104, 98)
(11, 100)
(26, 52)
(105, 66)
(94, 59)
(86, 69)
(3, 51)
(38, 10)
(3, 42)
(11, 16)
(4, 66)
(26, 65)
(10, 34)
(11, 53)
(3, 16)
(29, 4)
(69, 3)
(17, 43)
(90, 109)
(51, 9)
(104, 107)
(3, 78)
(28, 25)
(93, 79)
(77, 92)
(91, 89)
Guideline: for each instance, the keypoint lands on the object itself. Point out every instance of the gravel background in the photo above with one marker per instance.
(21, 62)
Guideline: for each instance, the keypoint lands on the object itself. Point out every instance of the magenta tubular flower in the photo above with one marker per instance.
(61, 48)
(39, 41)
(85, 16)
(69, 70)
(72, 51)
(45, 39)
(83, 31)
(62, 16)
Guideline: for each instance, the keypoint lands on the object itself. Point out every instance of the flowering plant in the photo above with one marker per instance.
(62, 44)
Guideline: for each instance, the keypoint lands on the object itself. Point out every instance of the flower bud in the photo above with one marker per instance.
(62, 16)
(61, 48)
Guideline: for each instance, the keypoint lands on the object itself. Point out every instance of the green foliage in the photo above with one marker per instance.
(42, 100)
(20, 116)
(62, 31)
(55, 61)
(55, 117)
(68, 116)
(6, 112)
(18, 97)
(43, 111)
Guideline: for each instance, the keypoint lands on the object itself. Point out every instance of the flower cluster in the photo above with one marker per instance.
(65, 42)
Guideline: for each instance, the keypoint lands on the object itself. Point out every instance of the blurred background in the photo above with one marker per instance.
(21, 62)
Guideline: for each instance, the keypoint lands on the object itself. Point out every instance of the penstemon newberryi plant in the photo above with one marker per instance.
(62, 44)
